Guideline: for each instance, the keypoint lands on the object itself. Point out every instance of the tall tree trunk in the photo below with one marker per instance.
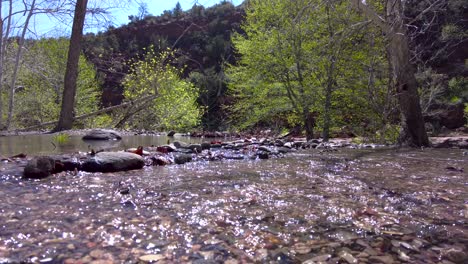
(19, 53)
(413, 130)
(1, 66)
(412, 122)
(309, 123)
(71, 73)
(327, 110)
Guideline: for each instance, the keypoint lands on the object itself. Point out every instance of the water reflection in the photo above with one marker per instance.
(44, 144)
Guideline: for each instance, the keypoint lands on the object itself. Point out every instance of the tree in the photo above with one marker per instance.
(276, 55)
(403, 73)
(4, 34)
(68, 100)
(292, 53)
(42, 83)
(17, 61)
(164, 100)
(177, 12)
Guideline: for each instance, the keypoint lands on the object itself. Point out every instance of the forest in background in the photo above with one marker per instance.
(261, 65)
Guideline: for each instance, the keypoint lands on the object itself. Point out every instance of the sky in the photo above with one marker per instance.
(44, 25)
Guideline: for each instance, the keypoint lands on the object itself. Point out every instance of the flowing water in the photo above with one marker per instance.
(348, 206)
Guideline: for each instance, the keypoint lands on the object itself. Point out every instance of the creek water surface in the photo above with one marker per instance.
(45, 144)
(310, 206)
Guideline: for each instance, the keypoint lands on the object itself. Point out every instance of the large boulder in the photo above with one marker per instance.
(39, 167)
(112, 162)
(448, 115)
(102, 134)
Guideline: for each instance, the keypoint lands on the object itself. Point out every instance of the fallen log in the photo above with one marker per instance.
(96, 113)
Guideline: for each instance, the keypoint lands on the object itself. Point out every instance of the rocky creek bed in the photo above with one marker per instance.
(243, 203)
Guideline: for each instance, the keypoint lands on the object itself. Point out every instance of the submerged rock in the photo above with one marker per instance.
(112, 162)
(39, 167)
(182, 158)
(263, 155)
(102, 134)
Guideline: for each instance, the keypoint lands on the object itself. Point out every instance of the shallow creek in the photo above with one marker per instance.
(345, 206)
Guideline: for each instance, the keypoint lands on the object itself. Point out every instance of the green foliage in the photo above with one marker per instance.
(41, 79)
(174, 105)
(458, 89)
(294, 53)
(61, 138)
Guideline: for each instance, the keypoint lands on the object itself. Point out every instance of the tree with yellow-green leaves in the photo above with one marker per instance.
(162, 99)
(293, 59)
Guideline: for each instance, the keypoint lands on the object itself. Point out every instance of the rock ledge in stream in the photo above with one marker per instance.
(39, 167)
(112, 162)
(102, 134)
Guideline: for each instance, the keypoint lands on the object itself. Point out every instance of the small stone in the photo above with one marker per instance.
(71, 247)
(318, 259)
(362, 255)
(151, 258)
(231, 261)
(97, 253)
(371, 251)
(456, 256)
(301, 248)
(347, 257)
(102, 261)
(381, 259)
(208, 255)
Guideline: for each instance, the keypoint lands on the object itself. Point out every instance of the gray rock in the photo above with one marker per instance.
(283, 150)
(456, 255)
(171, 133)
(183, 158)
(264, 149)
(197, 148)
(263, 155)
(102, 134)
(179, 144)
(315, 141)
(347, 257)
(39, 167)
(298, 144)
(279, 143)
(205, 145)
(113, 161)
